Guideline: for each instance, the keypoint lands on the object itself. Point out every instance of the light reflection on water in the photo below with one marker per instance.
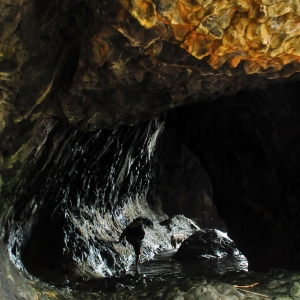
(164, 264)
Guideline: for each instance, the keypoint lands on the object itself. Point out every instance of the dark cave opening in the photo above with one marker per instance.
(248, 145)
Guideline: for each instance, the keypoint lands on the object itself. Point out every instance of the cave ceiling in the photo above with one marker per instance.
(102, 63)
(99, 64)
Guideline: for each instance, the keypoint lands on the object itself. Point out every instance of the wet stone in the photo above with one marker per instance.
(281, 289)
(283, 281)
(198, 291)
(189, 297)
(158, 295)
(230, 297)
(229, 290)
(187, 288)
(177, 297)
(295, 290)
(296, 277)
(272, 284)
(206, 244)
(209, 296)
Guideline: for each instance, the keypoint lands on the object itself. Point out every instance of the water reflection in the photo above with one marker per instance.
(164, 264)
(159, 273)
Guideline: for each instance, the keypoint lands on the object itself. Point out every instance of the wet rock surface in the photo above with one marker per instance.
(13, 284)
(206, 244)
(77, 199)
(276, 284)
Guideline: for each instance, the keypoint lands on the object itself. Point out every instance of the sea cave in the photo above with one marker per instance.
(183, 112)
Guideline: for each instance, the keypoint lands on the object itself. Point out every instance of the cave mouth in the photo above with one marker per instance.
(216, 163)
(86, 186)
(229, 164)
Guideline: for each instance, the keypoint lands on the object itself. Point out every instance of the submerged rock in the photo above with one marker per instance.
(206, 243)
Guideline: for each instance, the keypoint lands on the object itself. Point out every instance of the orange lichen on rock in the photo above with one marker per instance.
(198, 45)
(234, 62)
(260, 31)
(144, 11)
(180, 31)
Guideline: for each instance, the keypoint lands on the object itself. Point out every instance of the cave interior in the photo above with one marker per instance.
(155, 108)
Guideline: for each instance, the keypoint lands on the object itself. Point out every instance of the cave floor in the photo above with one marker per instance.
(165, 278)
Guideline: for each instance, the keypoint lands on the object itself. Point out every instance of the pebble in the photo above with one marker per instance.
(281, 289)
(272, 284)
(295, 289)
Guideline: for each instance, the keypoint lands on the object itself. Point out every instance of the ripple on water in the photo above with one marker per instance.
(164, 264)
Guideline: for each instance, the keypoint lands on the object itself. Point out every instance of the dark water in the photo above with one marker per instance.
(154, 273)
(164, 264)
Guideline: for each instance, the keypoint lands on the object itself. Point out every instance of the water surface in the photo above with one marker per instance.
(164, 264)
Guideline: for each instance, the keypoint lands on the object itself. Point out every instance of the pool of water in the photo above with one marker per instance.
(164, 264)
(160, 272)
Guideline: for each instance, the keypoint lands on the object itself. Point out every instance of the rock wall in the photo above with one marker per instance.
(71, 206)
(13, 284)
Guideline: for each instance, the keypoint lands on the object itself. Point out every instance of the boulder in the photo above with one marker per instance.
(206, 243)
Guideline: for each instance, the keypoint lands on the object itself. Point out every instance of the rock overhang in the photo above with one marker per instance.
(102, 64)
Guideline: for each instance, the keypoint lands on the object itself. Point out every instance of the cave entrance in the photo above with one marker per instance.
(86, 186)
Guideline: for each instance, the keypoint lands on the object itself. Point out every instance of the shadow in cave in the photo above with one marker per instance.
(249, 146)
